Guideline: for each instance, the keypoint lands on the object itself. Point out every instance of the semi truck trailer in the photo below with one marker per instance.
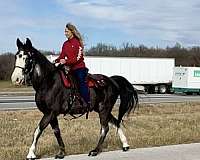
(153, 75)
(186, 80)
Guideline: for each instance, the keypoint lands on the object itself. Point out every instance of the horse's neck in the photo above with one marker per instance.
(42, 69)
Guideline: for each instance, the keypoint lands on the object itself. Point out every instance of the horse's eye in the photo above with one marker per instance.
(20, 55)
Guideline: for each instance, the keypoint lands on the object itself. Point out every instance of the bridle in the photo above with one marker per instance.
(19, 67)
(29, 64)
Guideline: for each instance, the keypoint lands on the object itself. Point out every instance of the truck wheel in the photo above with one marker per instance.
(189, 93)
(156, 89)
(162, 89)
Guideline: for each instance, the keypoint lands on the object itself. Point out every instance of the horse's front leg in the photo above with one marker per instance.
(55, 127)
(42, 125)
(104, 131)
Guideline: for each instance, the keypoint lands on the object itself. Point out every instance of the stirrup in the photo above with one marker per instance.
(87, 113)
(88, 109)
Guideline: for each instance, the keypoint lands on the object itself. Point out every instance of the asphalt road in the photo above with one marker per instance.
(16, 101)
(173, 152)
(167, 98)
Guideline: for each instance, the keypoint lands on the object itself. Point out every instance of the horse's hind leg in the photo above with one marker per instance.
(55, 127)
(114, 122)
(105, 108)
(42, 125)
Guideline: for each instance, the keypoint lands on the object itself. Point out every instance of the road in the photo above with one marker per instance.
(172, 152)
(16, 101)
(175, 152)
(167, 98)
(13, 102)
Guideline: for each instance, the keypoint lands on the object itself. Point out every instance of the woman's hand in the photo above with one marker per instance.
(62, 61)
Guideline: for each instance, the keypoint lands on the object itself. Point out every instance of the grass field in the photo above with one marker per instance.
(8, 86)
(151, 125)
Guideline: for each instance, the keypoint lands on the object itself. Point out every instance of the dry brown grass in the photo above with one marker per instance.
(151, 125)
(8, 86)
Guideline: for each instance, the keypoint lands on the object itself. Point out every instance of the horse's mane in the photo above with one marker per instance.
(41, 59)
(48, 69)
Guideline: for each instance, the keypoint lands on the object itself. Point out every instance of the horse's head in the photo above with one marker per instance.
(23, 63)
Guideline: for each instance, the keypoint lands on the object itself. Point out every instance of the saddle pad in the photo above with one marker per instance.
(65, 80)
(91, 82)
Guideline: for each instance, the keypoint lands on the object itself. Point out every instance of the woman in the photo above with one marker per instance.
(72, 56)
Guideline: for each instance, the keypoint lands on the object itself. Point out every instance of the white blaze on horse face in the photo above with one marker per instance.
(17, 77)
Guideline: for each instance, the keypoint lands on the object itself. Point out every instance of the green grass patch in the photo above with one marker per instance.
(151, 125)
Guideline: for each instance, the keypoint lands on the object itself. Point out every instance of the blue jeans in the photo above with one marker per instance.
(80, 75)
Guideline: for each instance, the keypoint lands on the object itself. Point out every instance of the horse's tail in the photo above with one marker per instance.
(128, 96)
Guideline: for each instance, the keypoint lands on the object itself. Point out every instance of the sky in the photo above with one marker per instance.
(153, 23)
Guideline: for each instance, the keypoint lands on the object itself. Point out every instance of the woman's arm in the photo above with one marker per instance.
(62, 54)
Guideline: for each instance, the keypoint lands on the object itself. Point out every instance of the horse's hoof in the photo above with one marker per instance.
(125, 149)
(59, 156)
(93, 153)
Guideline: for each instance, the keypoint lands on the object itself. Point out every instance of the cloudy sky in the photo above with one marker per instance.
(150, 22)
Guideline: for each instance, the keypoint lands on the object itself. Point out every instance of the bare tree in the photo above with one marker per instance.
(6, 65)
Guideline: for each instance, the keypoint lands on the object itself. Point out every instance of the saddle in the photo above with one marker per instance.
(93, 80)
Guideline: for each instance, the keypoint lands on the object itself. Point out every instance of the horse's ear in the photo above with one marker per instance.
(19, 43)
(28, 43)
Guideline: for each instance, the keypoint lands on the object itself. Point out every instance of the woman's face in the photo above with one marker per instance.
(68, 33)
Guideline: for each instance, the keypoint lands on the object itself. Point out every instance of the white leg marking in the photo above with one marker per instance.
(102, 131)
(121, 135)
(31, 153)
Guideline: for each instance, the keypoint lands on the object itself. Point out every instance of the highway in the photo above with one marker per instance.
(172, 152)
(13, 102)
(17, 101)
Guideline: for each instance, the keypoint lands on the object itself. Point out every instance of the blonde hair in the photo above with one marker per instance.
(75, 32)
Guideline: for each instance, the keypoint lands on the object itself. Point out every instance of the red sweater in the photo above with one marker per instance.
(72, 52)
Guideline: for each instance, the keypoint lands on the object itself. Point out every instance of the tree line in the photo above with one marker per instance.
(183, 56)
(6, 65)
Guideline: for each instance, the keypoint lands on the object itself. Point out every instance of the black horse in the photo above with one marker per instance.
(52, 98)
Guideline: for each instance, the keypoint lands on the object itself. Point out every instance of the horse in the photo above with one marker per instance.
(53, 98)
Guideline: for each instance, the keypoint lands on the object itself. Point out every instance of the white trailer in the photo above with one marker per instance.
(186, 80)
(153, 74)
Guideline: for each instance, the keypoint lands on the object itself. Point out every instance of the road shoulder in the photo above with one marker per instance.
(172, 152)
